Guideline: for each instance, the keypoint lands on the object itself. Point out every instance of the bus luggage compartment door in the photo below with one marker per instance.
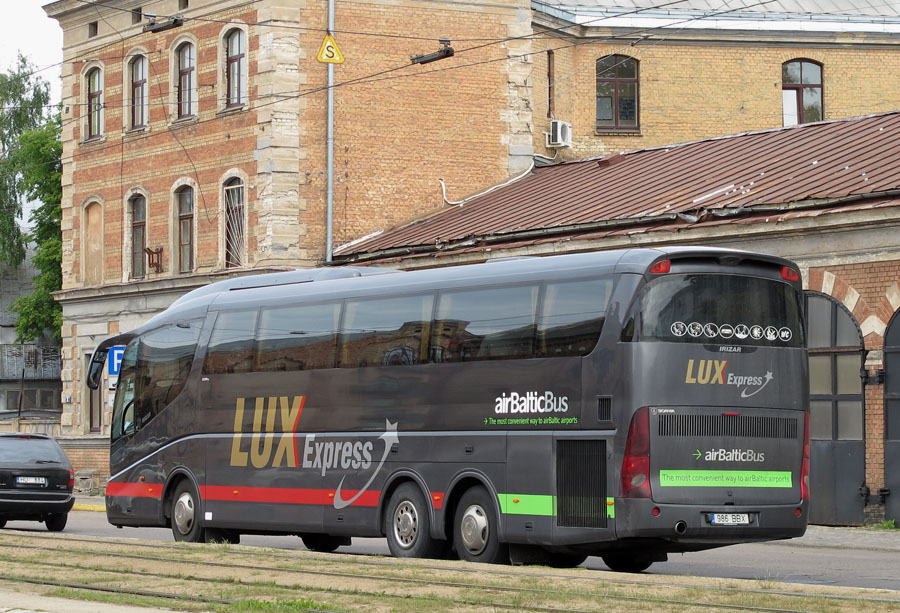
(725, 456)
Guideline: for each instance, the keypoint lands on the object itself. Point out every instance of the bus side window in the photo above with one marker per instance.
(489, 324)
(164, 362)
(386, 331)
(231, 346)
(297, 337)
(572, 317)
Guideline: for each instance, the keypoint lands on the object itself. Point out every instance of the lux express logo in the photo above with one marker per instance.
(260, 450)
(713, 372)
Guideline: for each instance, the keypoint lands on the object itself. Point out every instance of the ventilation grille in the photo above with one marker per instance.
(748, 426)
(604, 409)
(581, 484)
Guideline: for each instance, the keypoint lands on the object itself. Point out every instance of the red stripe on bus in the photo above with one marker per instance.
(135, 490)
(286, 495)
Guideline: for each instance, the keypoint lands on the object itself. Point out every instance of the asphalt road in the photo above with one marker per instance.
(828, 556)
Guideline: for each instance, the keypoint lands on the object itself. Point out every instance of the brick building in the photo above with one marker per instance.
(195, 138)
(823, 194)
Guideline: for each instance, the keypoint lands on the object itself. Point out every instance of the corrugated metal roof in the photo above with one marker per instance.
(755, 8)
(824, 166)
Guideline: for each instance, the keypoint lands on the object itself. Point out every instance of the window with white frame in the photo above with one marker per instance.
(94, 79)
(138, 72)
(234, 223)
(235, 68)
(801, 92)
(186, 64)
(185, 202)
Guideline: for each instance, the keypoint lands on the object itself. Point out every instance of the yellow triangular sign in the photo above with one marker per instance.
(329, 53)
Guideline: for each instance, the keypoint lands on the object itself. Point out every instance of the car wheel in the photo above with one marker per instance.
(476, 529)
(625, 563)
(56, 522)
(2, 523)
(185, 514)
(407, 524)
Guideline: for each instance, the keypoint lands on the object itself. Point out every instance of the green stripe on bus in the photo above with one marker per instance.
(610, 508)
(527, 504)
(725, 478)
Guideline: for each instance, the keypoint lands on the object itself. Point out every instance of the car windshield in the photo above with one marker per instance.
(21, 450)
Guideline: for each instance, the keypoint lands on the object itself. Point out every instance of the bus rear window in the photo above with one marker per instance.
(720, 309)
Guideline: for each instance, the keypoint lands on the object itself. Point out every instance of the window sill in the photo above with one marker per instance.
(608, 132)
(136, 131)
(93, 141)
(181, 121)
(231, 110)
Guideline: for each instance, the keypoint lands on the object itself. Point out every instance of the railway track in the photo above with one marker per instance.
(222, 576)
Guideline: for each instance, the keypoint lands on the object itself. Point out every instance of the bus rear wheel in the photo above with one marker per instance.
(407, 524)
(476, 529)
(625, 563)
(185, 514)
(324, 543)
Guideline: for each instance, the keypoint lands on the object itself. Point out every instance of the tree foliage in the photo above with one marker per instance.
(38, 158)
(23, 101)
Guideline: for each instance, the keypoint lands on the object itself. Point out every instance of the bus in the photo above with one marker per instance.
(627, 404)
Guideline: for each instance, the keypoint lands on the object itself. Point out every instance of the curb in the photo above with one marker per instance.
(88, 507)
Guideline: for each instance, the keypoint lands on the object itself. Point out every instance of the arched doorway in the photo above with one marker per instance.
(837, 409)
(892, 417)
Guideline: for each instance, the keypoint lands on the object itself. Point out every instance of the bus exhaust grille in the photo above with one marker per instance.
(749, 426)
(581, 484)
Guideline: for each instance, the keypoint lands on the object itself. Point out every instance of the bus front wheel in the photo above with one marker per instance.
(185, 514)
(476, 529)
(407, 524)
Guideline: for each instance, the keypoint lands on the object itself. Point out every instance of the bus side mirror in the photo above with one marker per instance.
(95, 370)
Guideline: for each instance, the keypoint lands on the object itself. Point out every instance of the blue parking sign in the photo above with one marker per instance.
(114, 359)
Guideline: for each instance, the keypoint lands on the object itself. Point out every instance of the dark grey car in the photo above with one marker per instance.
(36, 480)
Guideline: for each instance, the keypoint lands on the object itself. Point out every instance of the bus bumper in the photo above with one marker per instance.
(694, 526)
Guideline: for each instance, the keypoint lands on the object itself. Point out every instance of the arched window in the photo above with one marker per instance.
(186, 63)
(92, 235)
(234, 223)
(235, 69)
(185, 198)
(138, 70)
(801, 92)
(617, 93)
(94, 80)
(138, 236)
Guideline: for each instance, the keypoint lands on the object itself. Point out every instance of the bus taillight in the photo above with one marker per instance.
(635, 481)
(804, 467)
(790, 274)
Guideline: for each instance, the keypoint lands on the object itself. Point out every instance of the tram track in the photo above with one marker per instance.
(601, 577)
(399, 579)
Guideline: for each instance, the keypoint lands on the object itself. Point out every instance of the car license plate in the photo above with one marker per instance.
(730, 519)
(31, 480)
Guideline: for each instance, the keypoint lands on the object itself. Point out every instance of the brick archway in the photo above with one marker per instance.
(872, 323)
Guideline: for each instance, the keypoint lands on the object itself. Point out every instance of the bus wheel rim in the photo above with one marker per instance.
(406, 524)
(184, 513)
(474, 529)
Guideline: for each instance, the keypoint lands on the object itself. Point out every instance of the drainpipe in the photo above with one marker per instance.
(329, 198)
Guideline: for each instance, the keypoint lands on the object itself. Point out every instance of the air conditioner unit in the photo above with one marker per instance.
(560, 134)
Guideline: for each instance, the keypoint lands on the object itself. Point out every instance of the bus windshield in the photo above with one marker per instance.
(718, 308)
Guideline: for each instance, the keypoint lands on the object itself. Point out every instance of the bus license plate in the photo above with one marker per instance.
(31, 480)
(730, 519)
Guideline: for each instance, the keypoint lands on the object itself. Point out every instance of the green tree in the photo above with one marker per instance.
(23, 102)
(38, 159)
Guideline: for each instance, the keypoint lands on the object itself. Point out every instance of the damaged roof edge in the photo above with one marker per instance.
(503, 237)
